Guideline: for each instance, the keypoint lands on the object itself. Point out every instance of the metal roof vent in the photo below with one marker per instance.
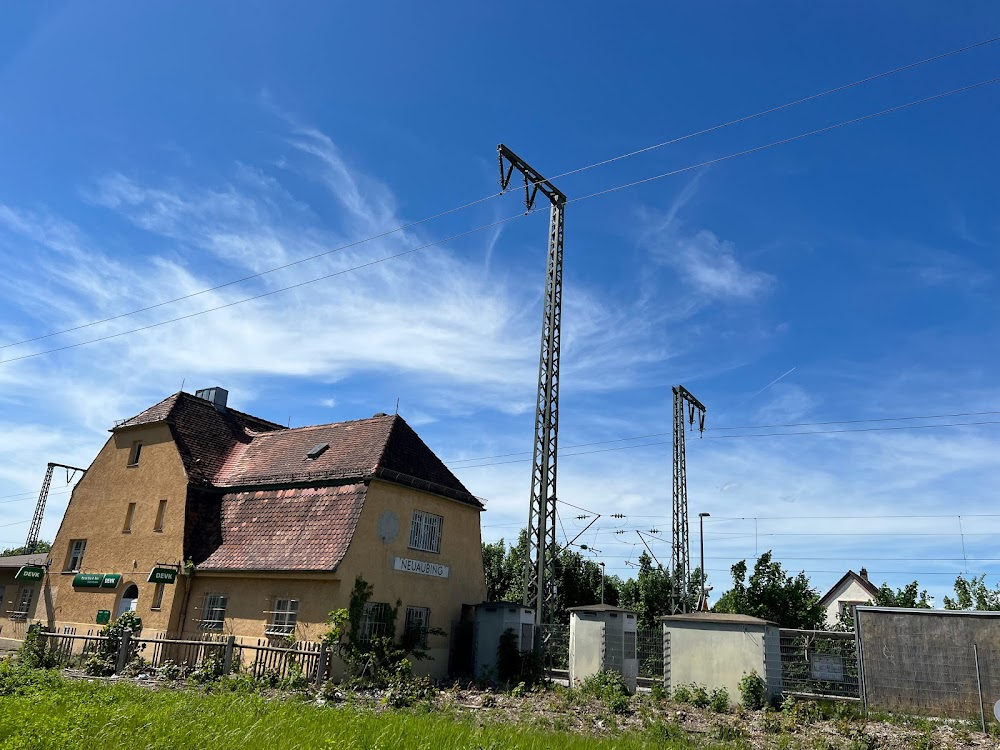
(316, 451)
(217, 396)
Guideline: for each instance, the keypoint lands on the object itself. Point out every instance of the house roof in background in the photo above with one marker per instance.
(18, 561)
(847, 578)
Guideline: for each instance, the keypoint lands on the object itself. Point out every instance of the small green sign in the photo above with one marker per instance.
(103, 616)
(96, 580)
(162, 575)
(87, 580)
(30, 573)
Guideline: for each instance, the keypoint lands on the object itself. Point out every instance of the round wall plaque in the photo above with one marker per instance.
(388, 527)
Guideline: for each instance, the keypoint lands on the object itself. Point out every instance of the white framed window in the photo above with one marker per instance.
(129, 517)
(375, 621)
(161, 511)
(283, 617)
(134, 453)
(213, 613)
(847, 608)
(418, 620)
(23, 603)
(157, 597)
(425, 532)
(76, 549)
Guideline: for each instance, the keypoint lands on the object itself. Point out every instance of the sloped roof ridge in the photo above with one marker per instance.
(236, 412)
(850, 575)
(325, 425)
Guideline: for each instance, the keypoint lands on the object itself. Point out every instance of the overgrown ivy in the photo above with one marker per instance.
(381, 658)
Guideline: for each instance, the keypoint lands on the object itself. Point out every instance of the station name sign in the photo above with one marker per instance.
(423, 568)
(96, 580)
(162, 575)
(30, 573)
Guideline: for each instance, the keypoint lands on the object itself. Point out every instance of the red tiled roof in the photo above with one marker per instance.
(230, 449)
(269, 520)
(306, 528)
(204, 435)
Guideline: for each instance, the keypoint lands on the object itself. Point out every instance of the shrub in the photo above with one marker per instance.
(682, 693)
(719, 700)
(753, 691)
(405, 690)
(658, 693)
(33, 653)
(699, 696)
(105, 659)
(378, 658)
(610, 688)
(170, 670)
(17, 678)
(209, 668)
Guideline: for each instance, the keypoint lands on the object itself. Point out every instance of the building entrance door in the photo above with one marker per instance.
(129, 599)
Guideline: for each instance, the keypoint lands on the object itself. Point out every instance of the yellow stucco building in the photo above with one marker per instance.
(202, 519)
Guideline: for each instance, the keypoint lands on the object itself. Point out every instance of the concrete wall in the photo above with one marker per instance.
(586, 648)
(719, 654)
(923, 661)
(96, 512)
(852, 593)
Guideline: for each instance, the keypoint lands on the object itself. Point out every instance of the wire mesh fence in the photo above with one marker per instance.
(649, 652)
(819, 663)
(555, 649)
(959, 683)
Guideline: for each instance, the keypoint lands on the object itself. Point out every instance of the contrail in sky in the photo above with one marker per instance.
(750, 398)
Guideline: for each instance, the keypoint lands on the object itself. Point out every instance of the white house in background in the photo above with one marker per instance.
(849, 591)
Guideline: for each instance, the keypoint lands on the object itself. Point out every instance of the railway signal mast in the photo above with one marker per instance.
(681, 562)
(539, 573)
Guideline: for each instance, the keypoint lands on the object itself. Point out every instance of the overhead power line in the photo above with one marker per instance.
(790, 139)
(744, 427)
(598, 194)
(746, 435)
(478, 201)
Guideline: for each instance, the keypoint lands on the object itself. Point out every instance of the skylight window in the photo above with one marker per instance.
(317, 451)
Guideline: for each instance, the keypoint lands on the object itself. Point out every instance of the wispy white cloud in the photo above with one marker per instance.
(707, 263)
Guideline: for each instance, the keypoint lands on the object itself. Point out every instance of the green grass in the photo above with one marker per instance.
(68, 715)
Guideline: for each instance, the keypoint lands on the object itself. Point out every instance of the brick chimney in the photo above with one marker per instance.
(864, 573)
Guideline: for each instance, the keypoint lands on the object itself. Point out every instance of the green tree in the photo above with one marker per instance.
(502, 575)
(651, 593)
(41, 547)
(910, 596)
(973, 593)
(772, 594)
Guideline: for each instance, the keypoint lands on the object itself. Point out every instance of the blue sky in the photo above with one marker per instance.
(151, 152)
